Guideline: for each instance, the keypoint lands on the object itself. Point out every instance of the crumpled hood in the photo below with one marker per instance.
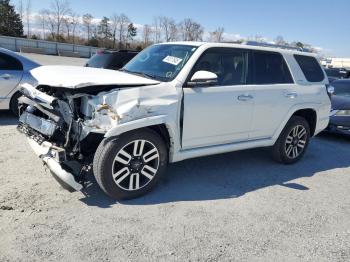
(340, 102)
(75, 77)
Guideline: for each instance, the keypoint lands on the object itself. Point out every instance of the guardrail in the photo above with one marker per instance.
(50, 48)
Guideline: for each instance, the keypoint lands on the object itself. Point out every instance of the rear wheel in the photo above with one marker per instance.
(130, 165)
(293, 141)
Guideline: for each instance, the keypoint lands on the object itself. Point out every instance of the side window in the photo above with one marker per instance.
(229, 64)
(310, 67)
(270, 68)
(9, 63)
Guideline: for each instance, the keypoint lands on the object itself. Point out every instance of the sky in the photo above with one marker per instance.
(321, 23)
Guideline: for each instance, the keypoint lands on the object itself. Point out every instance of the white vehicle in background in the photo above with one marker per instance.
(172, 102)
(14, 70)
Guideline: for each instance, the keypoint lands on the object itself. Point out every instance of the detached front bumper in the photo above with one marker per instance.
(50, 155)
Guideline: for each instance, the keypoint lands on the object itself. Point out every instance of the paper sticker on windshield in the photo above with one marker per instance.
(172, 60)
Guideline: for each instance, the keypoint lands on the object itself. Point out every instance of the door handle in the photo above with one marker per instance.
(6, 76)
(244, 97)
(291, 94)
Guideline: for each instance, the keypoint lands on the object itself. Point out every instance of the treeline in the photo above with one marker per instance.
(59, 22)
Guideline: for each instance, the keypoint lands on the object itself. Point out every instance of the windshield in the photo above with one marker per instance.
(160, 62)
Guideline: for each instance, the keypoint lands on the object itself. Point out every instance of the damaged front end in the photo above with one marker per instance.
(65, 126)
(53, 122)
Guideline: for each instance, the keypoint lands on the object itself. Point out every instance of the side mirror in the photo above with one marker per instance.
(203, 78)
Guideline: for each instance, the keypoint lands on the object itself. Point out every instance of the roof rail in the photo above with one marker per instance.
(255, 43)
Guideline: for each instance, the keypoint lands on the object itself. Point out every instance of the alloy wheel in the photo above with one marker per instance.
(135, 165)
(296, 141)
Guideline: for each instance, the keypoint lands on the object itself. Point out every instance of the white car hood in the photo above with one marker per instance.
(75, 77)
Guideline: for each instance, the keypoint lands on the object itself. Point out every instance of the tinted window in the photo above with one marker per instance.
(310, 67)
(341, 88)
(230, 65)
(270, 68)
(9, 63)
(120, 59)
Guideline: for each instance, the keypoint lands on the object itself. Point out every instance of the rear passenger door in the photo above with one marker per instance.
(275, 93)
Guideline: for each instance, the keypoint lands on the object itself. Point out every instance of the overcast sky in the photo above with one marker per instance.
(322, 23)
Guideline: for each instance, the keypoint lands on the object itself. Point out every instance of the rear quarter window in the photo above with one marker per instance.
(310, 67)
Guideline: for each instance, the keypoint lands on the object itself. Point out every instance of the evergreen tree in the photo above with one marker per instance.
(10, 22)
(132, 32)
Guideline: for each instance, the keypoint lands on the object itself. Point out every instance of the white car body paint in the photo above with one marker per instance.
(214, 120)
(75, 77)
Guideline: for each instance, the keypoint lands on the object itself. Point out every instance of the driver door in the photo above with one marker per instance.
(220, 113)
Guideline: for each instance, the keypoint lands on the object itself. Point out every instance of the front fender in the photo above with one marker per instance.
(136, 124)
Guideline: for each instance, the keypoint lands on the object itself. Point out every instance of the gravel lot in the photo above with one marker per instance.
(239, 206)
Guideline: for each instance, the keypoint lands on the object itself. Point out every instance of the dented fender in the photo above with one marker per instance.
(136, 124)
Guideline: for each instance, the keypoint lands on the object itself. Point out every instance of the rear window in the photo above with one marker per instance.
(99, 60)
(310, 67)
(270, 68)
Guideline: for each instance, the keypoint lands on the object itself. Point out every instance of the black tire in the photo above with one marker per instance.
(14, 104)
(281, 150)
(104, 163)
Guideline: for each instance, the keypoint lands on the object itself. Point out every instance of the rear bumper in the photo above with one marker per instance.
(339, 124)
(344, 130)
(49, 155)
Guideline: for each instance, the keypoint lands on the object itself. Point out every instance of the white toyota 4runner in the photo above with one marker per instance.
(172, 102)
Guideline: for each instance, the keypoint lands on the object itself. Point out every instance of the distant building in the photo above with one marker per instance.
(336, 62)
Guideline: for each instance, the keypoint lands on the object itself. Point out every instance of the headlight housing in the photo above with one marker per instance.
(343, 113)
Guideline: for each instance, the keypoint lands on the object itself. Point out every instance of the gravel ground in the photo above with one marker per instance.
(239, 206)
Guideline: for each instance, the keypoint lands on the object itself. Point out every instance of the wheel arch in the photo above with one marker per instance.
(159, 124)
(310, 116)
(308, 112)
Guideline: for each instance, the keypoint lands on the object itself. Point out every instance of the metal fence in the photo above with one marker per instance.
(49, 48)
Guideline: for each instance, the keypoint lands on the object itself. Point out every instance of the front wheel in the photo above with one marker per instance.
(130, 165)
(293, 141)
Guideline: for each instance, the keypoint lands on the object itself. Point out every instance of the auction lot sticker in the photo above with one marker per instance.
(172, 60)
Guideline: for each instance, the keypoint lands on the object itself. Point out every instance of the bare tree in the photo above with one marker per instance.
(71, 22)
(217, 35)
(75, 18)
(49, 21)
(157, 29)
(42, 18)
(59, 9)
(28, 16)
(122, 29)
(146, 35)
(279, 40)
(169, 28)
(87, 22)
(191, 30)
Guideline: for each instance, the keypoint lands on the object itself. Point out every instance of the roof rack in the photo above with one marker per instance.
(255, 43)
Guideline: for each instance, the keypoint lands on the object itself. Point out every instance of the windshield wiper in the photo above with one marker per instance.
(138, 73)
